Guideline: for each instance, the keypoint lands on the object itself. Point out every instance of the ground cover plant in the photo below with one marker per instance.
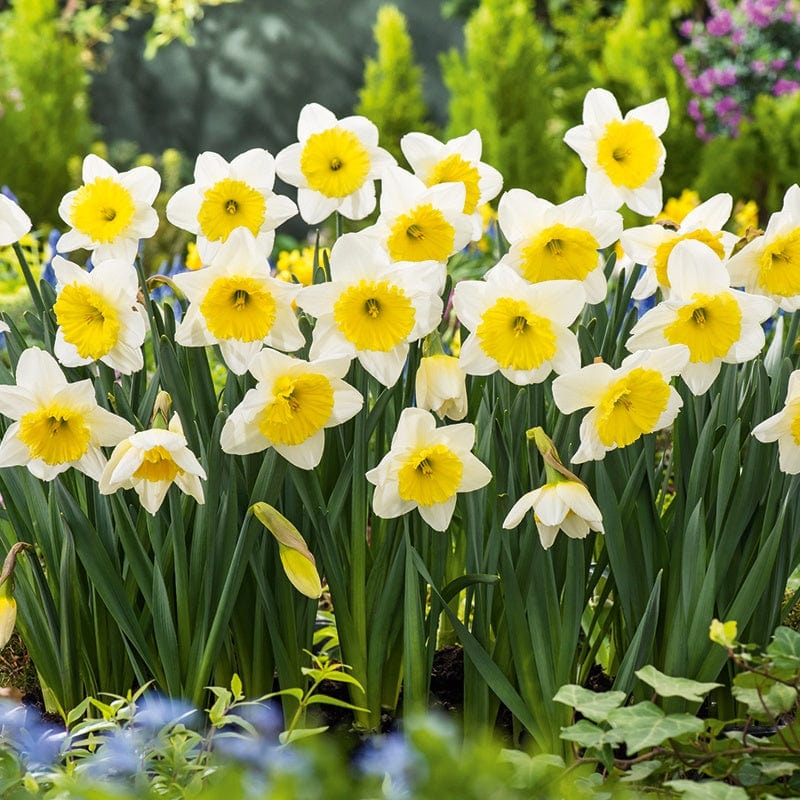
(192, 458)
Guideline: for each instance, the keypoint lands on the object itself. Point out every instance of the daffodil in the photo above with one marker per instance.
(624, 157)
(150, 462)
(784, 428)
(111, 211)
(57, 425)
(441, 386)
(426, 468)
(226, 196)
(14, 222)
(518, 328)
(372, 308)
(558, 242)
(455, 161)
(718, 324)
(297, 266)
(652, 245)
(99, 317)
(334, 164)
(676, 208)
(418, 222)
(770, 264)
(562, 504)
(290, 407)
(624, 403)
(237, 304)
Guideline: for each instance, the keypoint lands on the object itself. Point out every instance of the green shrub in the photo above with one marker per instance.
(501, 84)
(45, 116)
(392, 93)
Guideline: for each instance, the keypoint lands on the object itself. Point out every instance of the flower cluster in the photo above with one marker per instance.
(742, 50)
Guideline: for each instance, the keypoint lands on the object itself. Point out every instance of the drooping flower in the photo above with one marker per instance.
(718, 324)
(455, 161)
(440, 383)
(111, 212)
(558, 242)
(334, 164)
(624, 157)
(518, 328)
(770, 264)
(562, 504)
(652, 245)
(624, 403)
(57, 425)
(150, 462)
(226, 196)
(290, 407)
(372, 308)
(784, 428)
(426, 468)
(237, 304)
(99, 317)
(14, 222)
(421, 223)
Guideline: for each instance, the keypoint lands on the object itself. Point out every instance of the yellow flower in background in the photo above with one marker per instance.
(745, 215)
(298, 265)
(676, 208)
(334, 164)
(150, 462)
(425, 468)
(57, 425)
(193, 260)
(624, 403)
(111, 211)
(624, 157)
(98, 315)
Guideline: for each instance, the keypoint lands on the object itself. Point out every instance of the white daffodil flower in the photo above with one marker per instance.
(770, 264)
(441, 386)
(150, 462)
(652, 245)
(14, 222)
(625, 403)
(334, 164)
(455, 161)
(563, 503)
(784, 428)
(290, 407)
(57, 425)
(550, 242)
(718, 324)
(518, 328)
(237, 304)
(226, 196)
(426, 468)
(372, 308)
(421, 223)
(111, 212)
(99, 317)
(624, 157)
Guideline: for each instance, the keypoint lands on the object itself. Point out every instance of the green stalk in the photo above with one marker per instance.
(33, 288)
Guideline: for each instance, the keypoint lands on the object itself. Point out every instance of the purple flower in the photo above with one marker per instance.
(686, 28)
(784, 86)
(725, 106)
(726, 76)
(758, 66)
(693, 109)
(720, 25)
(679, 60)
(777, 64)
(737, 37)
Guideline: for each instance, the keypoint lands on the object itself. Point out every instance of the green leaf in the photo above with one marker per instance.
(638, 772)
(646, 725)
(765, 698)
(667, 686)
(707, 790)
(593, 705)
(587, 734)
(327, 700)
(784, 649)
(303, 733)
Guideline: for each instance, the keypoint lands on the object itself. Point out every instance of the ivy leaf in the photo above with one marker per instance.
(638, 772)
(667, 686)
(593, 705)
(765, 698)
(646, 725)
(707, 790)
(784, 649)
(587, 734)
